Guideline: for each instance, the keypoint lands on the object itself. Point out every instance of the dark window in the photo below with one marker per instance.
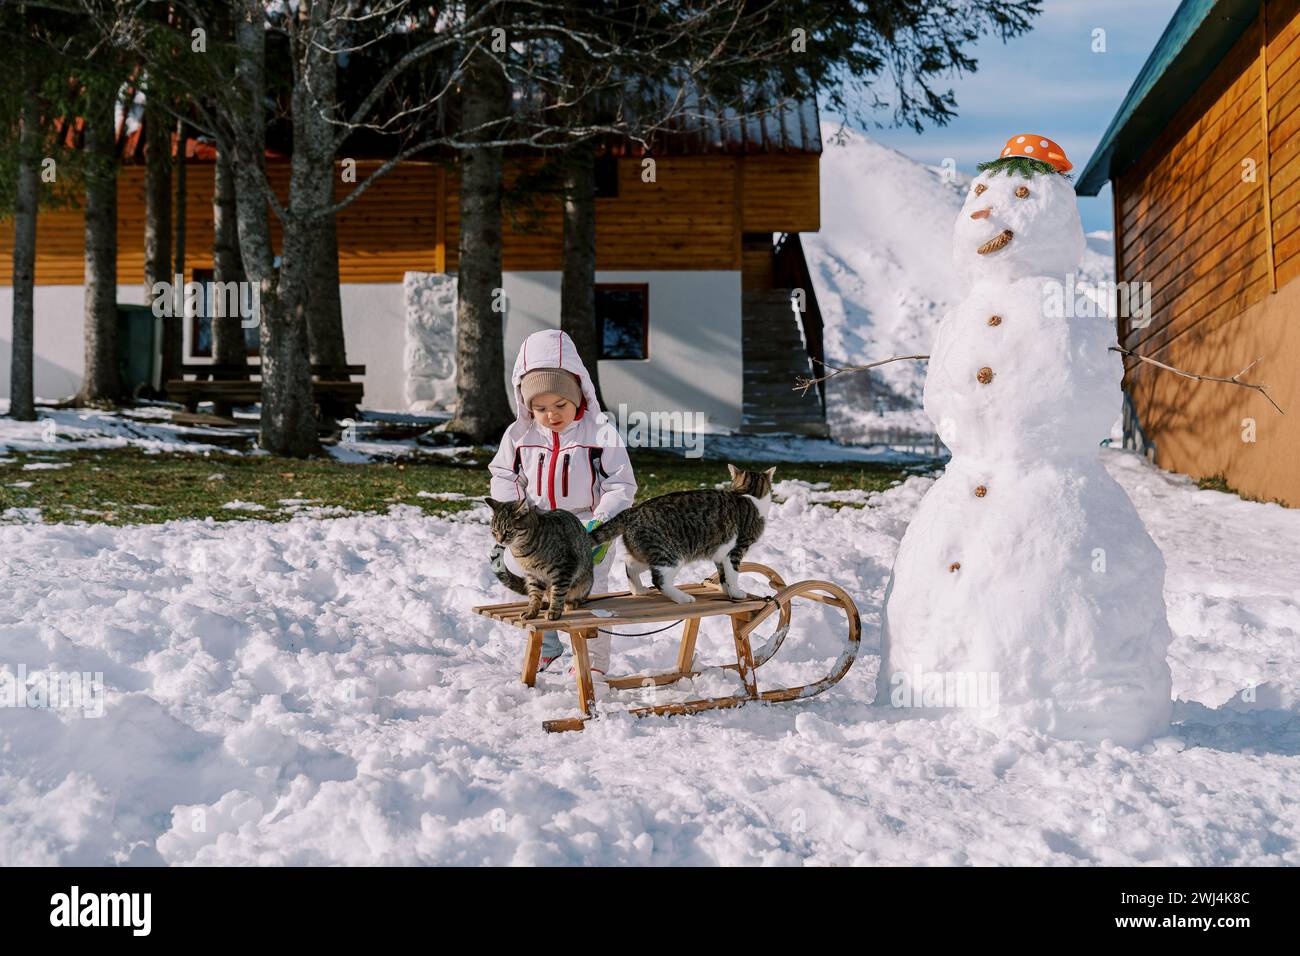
(606, 176)
(201, 324)
(623, 318)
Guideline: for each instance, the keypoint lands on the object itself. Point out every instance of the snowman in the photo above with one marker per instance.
(1026, 591)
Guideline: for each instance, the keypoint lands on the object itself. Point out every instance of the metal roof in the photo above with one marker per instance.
(791, 126)
(1195, 41)
(692, 122)
(696, 123)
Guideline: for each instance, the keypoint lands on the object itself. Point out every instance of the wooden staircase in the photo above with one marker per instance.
(775, 355)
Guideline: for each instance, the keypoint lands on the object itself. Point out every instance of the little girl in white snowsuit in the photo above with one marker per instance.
(572, 455)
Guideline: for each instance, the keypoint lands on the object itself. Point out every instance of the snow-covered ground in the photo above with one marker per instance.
(319, 692)
(148, 428)
(882, 270)
(157, 429)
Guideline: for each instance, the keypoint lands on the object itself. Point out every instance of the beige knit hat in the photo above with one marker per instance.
(554, 380)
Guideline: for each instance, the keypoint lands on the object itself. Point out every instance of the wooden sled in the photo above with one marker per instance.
(746, 615)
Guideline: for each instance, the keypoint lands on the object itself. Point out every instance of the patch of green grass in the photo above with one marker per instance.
(128, 486)
(1215, 483)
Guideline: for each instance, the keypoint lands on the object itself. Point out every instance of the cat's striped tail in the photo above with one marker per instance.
(507, 577)
(608, 531)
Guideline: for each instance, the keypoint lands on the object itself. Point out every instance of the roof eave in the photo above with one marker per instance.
(1199, 35)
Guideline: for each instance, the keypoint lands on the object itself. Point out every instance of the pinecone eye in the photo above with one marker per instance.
(1022, 191)
(979, 188)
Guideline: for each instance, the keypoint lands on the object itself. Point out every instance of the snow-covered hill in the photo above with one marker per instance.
(882, 272)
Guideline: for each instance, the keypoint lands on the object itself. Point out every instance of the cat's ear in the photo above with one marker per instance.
(493, 504)
(733, 470)
(770, 472)
(523, 506)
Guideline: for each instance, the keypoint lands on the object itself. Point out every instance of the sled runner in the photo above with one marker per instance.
(628, 609)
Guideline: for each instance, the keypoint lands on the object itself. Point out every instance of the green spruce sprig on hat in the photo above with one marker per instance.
(1024, 165)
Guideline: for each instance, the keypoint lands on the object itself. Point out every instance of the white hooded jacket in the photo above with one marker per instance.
(584, 468)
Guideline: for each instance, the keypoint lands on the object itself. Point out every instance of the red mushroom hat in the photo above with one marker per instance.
(1032, 146)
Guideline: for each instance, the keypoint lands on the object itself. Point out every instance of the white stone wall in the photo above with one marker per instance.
(429, 356)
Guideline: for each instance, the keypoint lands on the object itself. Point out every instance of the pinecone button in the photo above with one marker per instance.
(985, 375)
(955, 566)
(980, 491)
(995, 320)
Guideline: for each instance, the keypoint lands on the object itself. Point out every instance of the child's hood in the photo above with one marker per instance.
(551, 348)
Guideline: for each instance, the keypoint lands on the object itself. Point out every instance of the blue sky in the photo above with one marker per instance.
(1048, 82)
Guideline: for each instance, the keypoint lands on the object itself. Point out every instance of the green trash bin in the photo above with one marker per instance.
(138, 350)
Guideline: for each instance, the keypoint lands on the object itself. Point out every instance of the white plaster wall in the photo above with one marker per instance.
(695, 362)
(58, 360)
(374, 328)
(374, 331)
(373, 323)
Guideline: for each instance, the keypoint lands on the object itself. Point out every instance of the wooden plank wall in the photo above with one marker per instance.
(1192, 225)
(690, 218)
(781, 193)
(1222, 262)
(388, 230)
(1284, 134)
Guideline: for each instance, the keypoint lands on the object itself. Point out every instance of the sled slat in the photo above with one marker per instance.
(627, 609)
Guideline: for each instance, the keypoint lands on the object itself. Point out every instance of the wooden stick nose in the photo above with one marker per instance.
(982, 214)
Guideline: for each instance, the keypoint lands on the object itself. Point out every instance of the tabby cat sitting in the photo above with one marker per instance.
(663, 533)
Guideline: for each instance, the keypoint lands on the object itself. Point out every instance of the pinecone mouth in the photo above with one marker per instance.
(997, 242)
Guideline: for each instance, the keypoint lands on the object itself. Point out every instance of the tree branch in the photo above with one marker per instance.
(801, 384)
(1233, 380)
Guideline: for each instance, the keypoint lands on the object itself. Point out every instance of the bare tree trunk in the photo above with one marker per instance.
(578, 280)
(22, 403)
(314, 103)
(328, 345)
(101, 382)
(288, 425)
(578, 165)
(173, 339)
(325, 313)
(482, 407)
(228, 346)
(309, 273)
(158, 217)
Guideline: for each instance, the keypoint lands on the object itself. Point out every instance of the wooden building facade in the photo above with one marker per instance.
(1204, 161)
(691, 233)
(692, 217)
